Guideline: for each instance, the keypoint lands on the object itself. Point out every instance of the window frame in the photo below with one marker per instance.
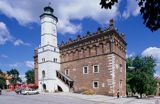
(93, 83)
(43, 60)
(94, 68)
(65, 72)
(120, 67)
(84, 69)
(43, 74)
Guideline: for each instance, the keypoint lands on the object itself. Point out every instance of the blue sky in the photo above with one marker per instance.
(20, 28)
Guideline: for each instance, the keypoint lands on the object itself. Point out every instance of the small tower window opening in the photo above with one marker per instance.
(43, 74)
(43, 59)
(54, 59)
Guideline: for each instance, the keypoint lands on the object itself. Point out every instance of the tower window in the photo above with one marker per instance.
(43, 74)
(54, 59)
(96, 69)
(95, 84)
(43, 59)
(85, 70)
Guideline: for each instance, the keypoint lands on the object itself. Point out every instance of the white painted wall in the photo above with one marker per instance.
(49, 50)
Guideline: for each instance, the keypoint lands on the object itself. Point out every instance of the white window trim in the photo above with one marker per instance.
(66, 72)
(84, 70)
(93, 68)
(97, 84)
(120, 67)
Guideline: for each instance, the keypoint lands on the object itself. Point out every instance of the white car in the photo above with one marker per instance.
(29, 92)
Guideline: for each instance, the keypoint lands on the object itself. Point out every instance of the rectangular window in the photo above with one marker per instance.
(85, 70)
(43, 59)
(120, 67)
(120, 83)
(95, 84)
(54, 59)
(95, 68)
(66, 72)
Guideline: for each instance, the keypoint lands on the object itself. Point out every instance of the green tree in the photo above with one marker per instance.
(140, 75)
(15, 76)
(2, 80)
(29, 75)
(150, 10)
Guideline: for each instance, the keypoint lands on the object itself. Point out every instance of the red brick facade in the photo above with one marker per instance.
(158, 87)
(36, 66)
(106, 49)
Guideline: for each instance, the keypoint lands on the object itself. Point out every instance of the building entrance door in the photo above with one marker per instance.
(44, 86)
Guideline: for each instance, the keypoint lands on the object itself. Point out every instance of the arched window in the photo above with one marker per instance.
(43, 74)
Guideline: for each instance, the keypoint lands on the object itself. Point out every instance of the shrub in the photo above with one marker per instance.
(89, 92)
(46, 91)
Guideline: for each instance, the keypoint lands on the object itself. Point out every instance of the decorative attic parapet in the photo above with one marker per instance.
(93, 36)
(111, 24)
(78, 38)
(70, 41)
(62, 44)
(99, 30)
(123, 36)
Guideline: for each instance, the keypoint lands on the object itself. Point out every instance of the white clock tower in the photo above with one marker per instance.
(48, 52)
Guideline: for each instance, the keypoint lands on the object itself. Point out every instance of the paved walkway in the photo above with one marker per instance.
(70, 98)
(112, 100)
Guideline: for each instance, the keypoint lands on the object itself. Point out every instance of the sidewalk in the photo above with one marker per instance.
(112, 100)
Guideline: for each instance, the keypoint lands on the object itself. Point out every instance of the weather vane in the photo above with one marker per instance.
(49, 4)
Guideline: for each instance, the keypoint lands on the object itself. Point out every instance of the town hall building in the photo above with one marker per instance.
(96, 61)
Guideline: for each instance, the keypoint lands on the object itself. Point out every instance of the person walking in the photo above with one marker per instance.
(0, 91)
(118, 94)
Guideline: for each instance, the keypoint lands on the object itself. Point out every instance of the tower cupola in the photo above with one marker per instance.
(48, 10)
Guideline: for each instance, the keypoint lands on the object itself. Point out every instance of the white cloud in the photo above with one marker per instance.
(22, 76)
(130, 55)
(4, 56)
(4, 34)
(14, 11)
(132, 9)
(6, 37)
(29, 64)
(25, 12)
(152, 51)
(15, 65)
(155, 53)
(19, 42)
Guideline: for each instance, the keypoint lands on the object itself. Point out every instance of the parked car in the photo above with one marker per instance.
(29, 91)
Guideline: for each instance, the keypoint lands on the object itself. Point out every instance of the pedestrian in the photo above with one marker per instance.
(117, 94)
(0, 91)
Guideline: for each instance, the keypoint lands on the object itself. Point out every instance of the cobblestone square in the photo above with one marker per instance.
(70, 98)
